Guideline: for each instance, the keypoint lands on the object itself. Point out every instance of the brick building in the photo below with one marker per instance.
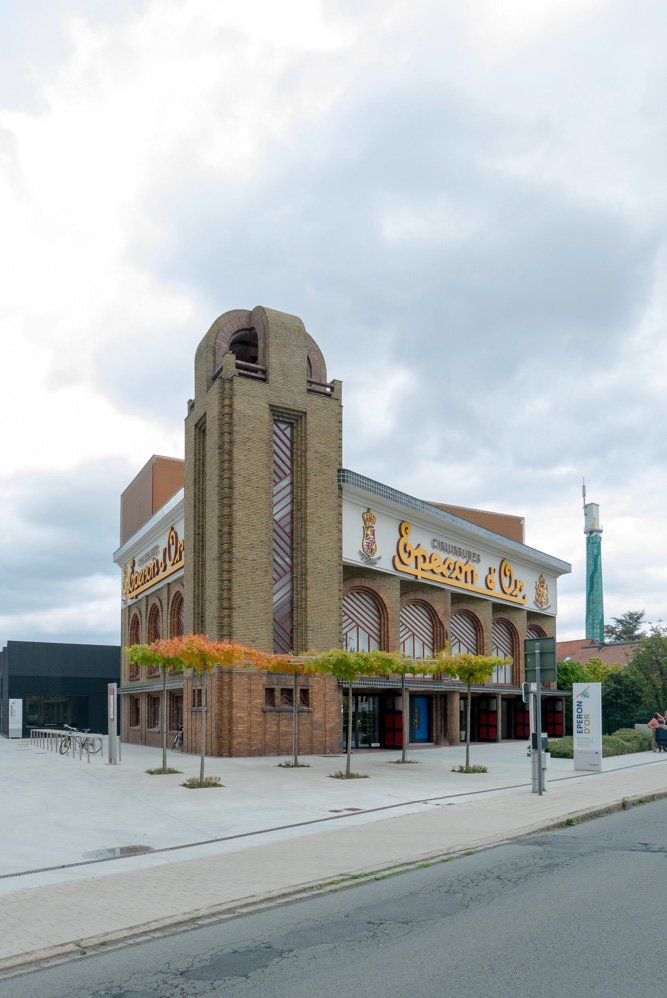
(260, 536)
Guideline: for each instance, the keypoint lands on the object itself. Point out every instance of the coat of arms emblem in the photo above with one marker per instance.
(369, 545)
(542, 593)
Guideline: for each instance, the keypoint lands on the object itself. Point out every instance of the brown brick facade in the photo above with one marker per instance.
(254, 368)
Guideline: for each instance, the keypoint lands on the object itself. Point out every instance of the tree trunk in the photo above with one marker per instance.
(164, 720)
(203, 727)
(295, 722)
(468, 728)
(406, 718)
(348, 766)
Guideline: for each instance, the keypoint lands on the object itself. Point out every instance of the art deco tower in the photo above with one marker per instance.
(263, 518)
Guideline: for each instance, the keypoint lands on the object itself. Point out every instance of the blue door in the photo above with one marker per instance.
(419, 719)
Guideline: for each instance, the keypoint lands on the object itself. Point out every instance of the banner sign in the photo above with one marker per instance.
(587, 726)
(447, 556)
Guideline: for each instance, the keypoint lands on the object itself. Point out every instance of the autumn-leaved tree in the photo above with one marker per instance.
(148, 656)
(199, 653)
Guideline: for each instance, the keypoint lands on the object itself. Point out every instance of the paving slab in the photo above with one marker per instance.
(269, 833)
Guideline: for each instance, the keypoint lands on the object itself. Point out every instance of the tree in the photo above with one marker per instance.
(650, 662)
(627, 627)
(474, 670)
(197, 652)
(626, 700)
(296, 667)
(146, 655)
(570, 672)
(348, 666)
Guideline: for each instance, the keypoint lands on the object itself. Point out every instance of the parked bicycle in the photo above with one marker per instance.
(87, 743)
(177, 743)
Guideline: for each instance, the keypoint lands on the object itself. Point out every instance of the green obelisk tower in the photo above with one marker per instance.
(594, 601)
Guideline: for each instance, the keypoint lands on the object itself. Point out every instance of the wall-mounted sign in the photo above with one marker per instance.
(154, 565)
(450, 559)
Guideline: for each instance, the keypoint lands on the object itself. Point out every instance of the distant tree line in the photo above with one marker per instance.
(630, 693)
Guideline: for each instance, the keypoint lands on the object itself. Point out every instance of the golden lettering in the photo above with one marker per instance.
(509, 583)
(419, 562)
(136, 582)
(415, 560)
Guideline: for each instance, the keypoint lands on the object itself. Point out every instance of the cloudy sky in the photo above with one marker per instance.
(464, 202)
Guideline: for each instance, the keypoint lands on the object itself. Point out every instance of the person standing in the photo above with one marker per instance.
(656, 721)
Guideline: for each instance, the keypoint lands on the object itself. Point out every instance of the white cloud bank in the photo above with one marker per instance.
(472, 195)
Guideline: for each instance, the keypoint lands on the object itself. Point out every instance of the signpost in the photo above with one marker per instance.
(540, 660)
(112, 721)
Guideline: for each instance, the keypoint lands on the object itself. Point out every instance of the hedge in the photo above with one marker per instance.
(622, 742)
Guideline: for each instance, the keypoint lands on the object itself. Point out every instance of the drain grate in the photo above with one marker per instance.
(115, 852)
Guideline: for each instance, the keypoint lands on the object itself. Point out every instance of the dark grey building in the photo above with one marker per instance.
(47, 685)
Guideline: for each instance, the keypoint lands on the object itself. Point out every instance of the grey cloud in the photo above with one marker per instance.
(66, 527)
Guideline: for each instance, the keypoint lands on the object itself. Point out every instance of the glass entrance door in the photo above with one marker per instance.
(365, 721)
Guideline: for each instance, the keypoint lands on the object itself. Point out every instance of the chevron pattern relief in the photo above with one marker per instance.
(463, 633)
(502, 645)
(283, 532)
(416, 631)
(361, 622)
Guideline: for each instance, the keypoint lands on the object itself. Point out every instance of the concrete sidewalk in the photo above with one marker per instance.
(269, 833)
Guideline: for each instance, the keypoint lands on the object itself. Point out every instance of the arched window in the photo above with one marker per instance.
(134, 638)
(362, 625)
(464, 636)
(154, 624)
(503, 645)
(177, 617)
(244, 346)
(534, 631)
(154, 633)
(135, 629)
(416, 631)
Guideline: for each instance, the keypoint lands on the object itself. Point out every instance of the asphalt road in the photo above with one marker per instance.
(576, 911)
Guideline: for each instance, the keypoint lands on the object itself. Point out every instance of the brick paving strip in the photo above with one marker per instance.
(44, 923)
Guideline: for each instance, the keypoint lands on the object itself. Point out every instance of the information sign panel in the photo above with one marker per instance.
(16, 718)
(587, 726)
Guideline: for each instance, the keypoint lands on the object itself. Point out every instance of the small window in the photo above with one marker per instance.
(196, 696)
(133, 671)
(175, 711)
(287, 697)
(135, 712)
(154, 712)
(304, 696)
(269, 697)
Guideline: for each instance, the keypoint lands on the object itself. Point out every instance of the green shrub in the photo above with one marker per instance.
(640, 740)
(561, 748)
(611, 745)
(622, 742)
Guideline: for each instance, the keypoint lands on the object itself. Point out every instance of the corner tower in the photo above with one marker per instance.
(263, 517)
